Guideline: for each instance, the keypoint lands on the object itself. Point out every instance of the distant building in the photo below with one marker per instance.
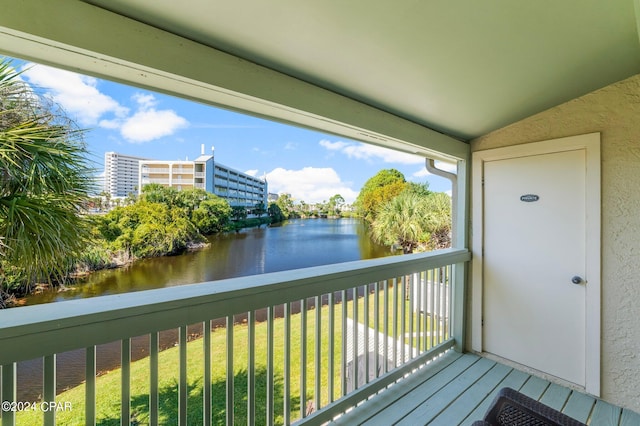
(121, 174)
(239, 189)
(271, 197)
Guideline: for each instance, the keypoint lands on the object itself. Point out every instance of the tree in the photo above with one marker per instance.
(275, 213)
(211, 215)
(238, 212)
(44, 181)
(335, 202)
(259, 209)
(438, 208)
(411, 220)
(378, 190)
(156, 193)
(401, 221)
(285, 202)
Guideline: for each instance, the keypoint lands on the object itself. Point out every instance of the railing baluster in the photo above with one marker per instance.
(403, 322)
(318, 352)
(303, 358)
(154, 391)
(365, 315)
(343, 358)
(376, 325)
(230, 372)
(395, 322)
(331, 342)
(125, 385)
(417, 310)
(411, 311)
(9, 388)
(206, 382)
(270, 372)
(449, 300)
(424, 284)
(354, 331)
(432, 307)
(90, 386)
(251, 368)
(49, 380)
(287, 364)
(437, 290)
(385, 327)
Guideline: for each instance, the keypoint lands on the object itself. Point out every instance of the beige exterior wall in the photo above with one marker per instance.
(614, 111)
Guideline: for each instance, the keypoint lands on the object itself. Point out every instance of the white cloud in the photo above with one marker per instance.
(77, 94)
(333, 146)
(362, 151)
(421, 173)
(81, 98)
(146, 101)
(147, 125)
(252, 172)
(447, 167)
(310, 184)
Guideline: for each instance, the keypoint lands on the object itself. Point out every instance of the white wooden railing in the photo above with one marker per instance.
(355, 328)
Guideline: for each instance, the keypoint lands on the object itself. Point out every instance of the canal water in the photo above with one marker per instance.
(299, 243)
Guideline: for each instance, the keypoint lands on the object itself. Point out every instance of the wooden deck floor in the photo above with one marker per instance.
(457, 390)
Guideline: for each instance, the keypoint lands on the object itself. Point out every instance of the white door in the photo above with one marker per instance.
(534, 262)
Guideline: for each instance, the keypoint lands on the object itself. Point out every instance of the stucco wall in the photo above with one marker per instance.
(615, 112)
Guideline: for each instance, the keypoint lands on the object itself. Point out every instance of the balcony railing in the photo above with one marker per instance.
(304, 345)
(164, 181)
(154, 170)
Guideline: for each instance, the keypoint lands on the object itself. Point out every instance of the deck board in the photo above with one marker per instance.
(417, 396)
(472, 397)
(579, 406)
(431, 407)
(605, 414)
(385, 399)
(458, 389)
(535, 387)
(514, 380)
(555, 396)
(629, 418)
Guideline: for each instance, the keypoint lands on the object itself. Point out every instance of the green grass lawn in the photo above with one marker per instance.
(108, 385)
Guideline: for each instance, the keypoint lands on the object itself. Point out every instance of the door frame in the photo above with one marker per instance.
(590, 143)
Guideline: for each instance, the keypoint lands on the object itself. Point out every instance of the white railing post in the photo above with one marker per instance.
(458, 316)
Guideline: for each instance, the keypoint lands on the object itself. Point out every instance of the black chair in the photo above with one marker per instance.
(511, 408)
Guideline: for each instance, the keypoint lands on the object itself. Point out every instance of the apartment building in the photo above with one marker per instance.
(121, 174)
(238, 188)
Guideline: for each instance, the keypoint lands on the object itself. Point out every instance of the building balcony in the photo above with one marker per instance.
(151, 170)
(161, 181)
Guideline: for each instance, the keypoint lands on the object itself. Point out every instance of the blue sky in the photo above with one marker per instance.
(311, 166)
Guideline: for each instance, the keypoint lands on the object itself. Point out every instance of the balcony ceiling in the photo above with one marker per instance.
(460, 68)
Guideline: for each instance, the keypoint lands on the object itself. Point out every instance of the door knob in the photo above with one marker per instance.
(576, 280)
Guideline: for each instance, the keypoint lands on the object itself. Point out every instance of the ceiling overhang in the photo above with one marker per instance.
(412, 75)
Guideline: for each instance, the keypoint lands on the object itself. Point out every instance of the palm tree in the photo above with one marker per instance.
(44, 182)
(410, 219)
(401, 221)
